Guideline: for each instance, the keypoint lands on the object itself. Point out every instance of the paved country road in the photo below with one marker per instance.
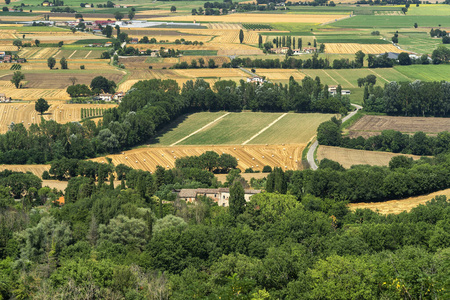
(312, 149)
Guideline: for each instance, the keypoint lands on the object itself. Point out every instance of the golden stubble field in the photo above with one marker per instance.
(26, 114)
(398, 206)
(287, 157)
(366, 48)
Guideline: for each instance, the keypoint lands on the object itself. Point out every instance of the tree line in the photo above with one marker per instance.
(126, 243)
(415, 98)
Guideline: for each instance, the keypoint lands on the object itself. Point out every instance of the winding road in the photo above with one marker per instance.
(312, 149)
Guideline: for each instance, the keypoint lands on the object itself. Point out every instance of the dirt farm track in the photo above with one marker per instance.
(249, 156)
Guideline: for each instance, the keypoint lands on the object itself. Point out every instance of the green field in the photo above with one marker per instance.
(184, 126)
(425, 72)
(233, 129)
(293, 128)
(429, 10)
(236, 128)
(397, 22)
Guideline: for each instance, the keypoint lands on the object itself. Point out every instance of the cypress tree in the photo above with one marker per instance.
(299, 43)
(260, 41)
(237, 199)
(293, 43)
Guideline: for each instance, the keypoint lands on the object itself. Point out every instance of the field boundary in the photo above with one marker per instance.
(379, 75)
(332, 78)
(265, 128)
(198, 130)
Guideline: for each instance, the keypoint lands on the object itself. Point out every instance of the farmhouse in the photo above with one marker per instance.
(309, 50)
(296, 52)
(391, 55)
(104, 97)
(108, 44)
(280, 50)
(118, 96)
(3, 97)
(134, 41)
(220, 196)
(7, 58)
(332, 89)
(256, 79)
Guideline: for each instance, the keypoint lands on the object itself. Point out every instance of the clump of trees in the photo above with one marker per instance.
(210, 161)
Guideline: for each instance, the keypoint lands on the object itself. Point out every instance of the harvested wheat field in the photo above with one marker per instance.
(26, 114)
(59, 80)
(250, 156)
(280, 74)
(366, 48)
(258, 18)
(398, 206)
(351, 157)
(35, 169)
(225, 26)
(219, 73)
(374, 125)
(34, 94)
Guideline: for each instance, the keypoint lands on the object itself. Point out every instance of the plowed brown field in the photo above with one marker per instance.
(373, 125)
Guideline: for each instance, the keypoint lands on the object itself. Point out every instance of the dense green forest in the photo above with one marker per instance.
(150, 105)
(409, 99)
(126, 243)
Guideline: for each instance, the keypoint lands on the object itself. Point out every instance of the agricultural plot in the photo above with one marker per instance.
(26, 114)
(34, 169)
(425, 72)
(398, 206)
(184, 126)
(392, 21)
(292, 129)
(366, 48)
(280, 74)
(374, 125)
(253, 156)
(258, 18)
(60, 80)
(225, 26)
(352, 157)
(211, 73)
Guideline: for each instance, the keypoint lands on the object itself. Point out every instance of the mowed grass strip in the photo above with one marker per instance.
(425, 72)
(184, 126)
(292, 129)
(233, 129)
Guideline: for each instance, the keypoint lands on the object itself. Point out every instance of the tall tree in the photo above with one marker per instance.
(41, 105)
(260, 40)
(241, 36)
(131, 14)
(117, 30)
(237, 199)
(51, 62)
(17, 78)
(63, 63)
(118, 15)
(299, 43)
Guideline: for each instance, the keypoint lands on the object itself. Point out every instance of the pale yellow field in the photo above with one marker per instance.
(350, 157)
(280, 74)
(398, 206)
(218, 72)
(250, 156)
(222, 26)
(257, 18)
(35, 169)
(366, 48)
(33, 94)
(125, 86)
(26, 114)
(232, 37)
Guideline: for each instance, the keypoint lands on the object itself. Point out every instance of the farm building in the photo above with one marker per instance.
(108, 44)
(390, 55)
(134, 41)
(296, 52)
(256, 79)
(104, 97)
(309, 50)
(7, 58)
(220, 196)
(280, 50)
(3, 98)
(118, 96)
(332, 89)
